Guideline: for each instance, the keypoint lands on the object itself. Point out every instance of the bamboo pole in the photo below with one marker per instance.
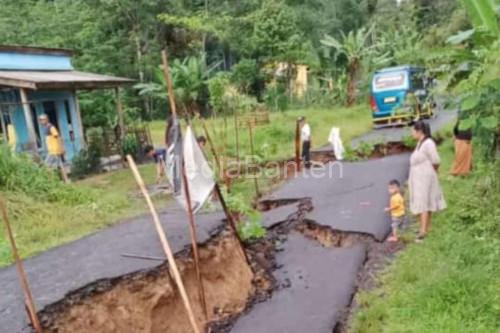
(256, 183)
(165, 245)
(194, 242)
(28, 296)
(227, 179)
(297, 145)
(192, 228)
(236, 133)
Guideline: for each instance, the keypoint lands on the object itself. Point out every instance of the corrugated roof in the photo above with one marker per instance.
(59, 80)
(36, 50)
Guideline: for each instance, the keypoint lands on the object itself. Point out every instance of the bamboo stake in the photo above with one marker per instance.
(194, 242)
(222, 201)
(256, 183)
(28, 296)
(192, 228)
(297, 145)
(236, 132)
(164, 242)
(227, 179)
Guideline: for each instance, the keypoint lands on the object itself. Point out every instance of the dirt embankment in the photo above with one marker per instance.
(149, 302)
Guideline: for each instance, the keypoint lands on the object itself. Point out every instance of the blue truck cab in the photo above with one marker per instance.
(399, 95)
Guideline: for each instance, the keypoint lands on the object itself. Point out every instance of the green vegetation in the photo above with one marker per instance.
(45, 212)
(450, 283)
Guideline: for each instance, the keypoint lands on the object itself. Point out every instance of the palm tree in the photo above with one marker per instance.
(357, 47)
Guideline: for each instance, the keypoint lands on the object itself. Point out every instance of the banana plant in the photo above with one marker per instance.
(189, 75)
(357, 46)
(482, 14)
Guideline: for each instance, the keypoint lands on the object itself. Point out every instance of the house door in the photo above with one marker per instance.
(49, 108)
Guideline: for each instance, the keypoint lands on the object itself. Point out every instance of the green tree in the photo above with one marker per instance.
(358, 48)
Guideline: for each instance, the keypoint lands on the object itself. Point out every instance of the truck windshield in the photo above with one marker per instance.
(390, 81)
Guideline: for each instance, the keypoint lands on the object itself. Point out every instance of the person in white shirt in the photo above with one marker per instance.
(305, 138)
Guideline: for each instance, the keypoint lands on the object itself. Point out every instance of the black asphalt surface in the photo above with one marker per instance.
(394, 134)
(317, 285)
(58, 271)
(349, 196)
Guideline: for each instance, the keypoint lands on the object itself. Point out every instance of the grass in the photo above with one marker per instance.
(451, 282)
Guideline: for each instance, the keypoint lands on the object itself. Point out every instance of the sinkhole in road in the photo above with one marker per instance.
(148, 301)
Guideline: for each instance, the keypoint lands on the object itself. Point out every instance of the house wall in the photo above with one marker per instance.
(25, 61)
(62, 100)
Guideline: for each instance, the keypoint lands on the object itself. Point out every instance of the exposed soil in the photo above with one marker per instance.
(149, 301)
(328, 237)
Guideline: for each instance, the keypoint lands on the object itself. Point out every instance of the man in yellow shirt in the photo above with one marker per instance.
(397, 209)
(53, 143)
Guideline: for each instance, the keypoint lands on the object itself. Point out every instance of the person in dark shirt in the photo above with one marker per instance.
(160, 157)
(462, 164)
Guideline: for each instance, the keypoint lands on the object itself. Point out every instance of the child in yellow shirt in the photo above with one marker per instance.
(397, 209)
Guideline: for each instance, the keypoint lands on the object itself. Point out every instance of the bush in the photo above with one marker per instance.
(409, 141)
(245, 75)
(88, 161)
(276, 97)
(18, 173)
(217, 87)
(130, 146)
(252, 227)
(365, 149)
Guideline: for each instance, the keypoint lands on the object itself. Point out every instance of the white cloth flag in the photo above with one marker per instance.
(336, 141)
(198, 173)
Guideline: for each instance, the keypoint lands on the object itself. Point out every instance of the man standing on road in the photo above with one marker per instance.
(52, 142)
(305, 138)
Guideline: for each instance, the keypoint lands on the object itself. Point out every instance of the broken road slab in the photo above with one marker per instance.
(352, 196)
(319, 284)
(277, 215)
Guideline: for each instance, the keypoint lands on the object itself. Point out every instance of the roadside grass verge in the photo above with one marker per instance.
(451, 282)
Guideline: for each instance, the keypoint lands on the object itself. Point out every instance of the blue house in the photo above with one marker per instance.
(35, 81)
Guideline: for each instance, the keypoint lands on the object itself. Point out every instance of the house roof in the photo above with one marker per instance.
(36, 50)
(59, 80)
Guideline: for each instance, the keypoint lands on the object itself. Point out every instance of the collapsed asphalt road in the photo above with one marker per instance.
(320, 281)
(316, 283)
